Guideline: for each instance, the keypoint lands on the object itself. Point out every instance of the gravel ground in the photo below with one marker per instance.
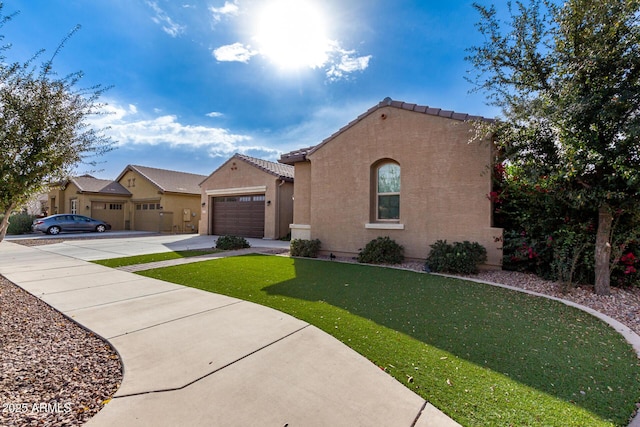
(52, 371)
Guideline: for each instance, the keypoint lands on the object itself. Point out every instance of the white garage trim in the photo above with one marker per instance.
(239, 190)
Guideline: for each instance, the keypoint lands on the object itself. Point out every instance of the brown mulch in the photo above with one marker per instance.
(52, 371)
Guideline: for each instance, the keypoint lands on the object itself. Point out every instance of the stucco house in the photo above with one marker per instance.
(162, 200)
(400, 170)
(98, 198)
(248, 197)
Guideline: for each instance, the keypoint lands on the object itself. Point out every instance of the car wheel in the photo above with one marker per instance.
(101, 228)
(53, 230)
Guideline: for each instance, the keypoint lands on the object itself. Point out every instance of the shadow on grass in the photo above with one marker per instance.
(429, 327)
(543, 344)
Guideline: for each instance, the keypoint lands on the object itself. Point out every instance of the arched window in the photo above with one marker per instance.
(388, 191)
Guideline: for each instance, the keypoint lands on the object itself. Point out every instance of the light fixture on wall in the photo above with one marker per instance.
(268, 202)
(87, 207)
(203, 204)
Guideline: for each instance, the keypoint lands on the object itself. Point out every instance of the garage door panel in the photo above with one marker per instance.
(239, 216)
(110, 212)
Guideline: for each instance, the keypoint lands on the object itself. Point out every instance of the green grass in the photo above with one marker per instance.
(484, 355)
(145, 259)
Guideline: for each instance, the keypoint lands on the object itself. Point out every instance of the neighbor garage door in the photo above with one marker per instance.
(239, 216)
(112, 213)
(147, 217)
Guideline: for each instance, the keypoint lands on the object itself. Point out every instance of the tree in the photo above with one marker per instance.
(571, 73)
(43, 128)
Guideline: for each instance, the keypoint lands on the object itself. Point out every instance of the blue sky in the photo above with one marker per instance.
(195, 81)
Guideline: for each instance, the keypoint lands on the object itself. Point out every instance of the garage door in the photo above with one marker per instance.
(147, 217)
(239, 216)
(112, 213)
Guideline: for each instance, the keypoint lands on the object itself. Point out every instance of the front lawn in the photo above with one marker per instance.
(145, 259)
(483, 355)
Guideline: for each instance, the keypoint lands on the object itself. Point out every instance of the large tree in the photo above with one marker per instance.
(44, 131)
(571, 73)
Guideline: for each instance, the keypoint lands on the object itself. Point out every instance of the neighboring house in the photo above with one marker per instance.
(248, 197)
(162, 200)
(98, 198)
(400, 170)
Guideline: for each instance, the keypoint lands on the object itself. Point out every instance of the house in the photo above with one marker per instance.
(400, 170)
(162, 200)
(98, 198)
(248, 197)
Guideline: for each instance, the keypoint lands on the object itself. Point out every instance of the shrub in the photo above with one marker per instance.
(19, 223)
(460, 257)
(305, 248)
(382, 250)
(232, 242)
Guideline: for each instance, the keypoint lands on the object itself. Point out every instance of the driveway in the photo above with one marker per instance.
(94, 246)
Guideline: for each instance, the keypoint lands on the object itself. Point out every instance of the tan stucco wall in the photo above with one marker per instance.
(444, 183)
(237, 177)
(173, 204)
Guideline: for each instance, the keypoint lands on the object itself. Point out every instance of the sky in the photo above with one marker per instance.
(191, 82)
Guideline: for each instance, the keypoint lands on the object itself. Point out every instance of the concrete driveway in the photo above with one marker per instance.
(94, 246)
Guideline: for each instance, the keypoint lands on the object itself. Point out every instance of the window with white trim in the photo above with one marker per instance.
(74, 206)
(388, 192)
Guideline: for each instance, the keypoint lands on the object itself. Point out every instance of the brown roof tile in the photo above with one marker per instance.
(89, 184)
(280, 170)
(167, 180)
(301, 154)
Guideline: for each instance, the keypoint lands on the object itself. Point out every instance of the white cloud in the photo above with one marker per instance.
(345, 62)
(229, 9)
(236, 52)
(214, 114)
(161, 18)
(127, 128)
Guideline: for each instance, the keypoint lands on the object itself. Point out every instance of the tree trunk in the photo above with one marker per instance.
(603, 251)
(4, 224)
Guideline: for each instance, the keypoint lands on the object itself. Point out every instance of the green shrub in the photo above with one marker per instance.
(382, 250)
(305, 248)
(19, 223)
(457, 258)
(227, 243)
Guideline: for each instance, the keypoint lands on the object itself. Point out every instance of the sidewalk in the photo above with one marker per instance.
(195, 358)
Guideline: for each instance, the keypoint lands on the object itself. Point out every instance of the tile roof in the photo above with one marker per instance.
(89, 184)
(280, 170)
(168, 181)
(301, 154)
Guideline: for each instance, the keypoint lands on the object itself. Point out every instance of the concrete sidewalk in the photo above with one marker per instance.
(195, 358)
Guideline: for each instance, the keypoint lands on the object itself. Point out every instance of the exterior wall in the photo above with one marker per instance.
(300, 228)
(173, 205)
(444, 183)
(284, 208)
(184, 210)
(237, 177)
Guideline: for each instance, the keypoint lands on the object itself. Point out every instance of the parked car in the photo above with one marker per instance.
(54, 224)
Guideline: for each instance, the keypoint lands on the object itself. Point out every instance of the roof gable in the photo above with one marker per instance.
(89, 184)
(166, 180)
(301, 154)
(279, 170)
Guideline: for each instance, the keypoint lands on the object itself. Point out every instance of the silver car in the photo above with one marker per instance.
(54, 224)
